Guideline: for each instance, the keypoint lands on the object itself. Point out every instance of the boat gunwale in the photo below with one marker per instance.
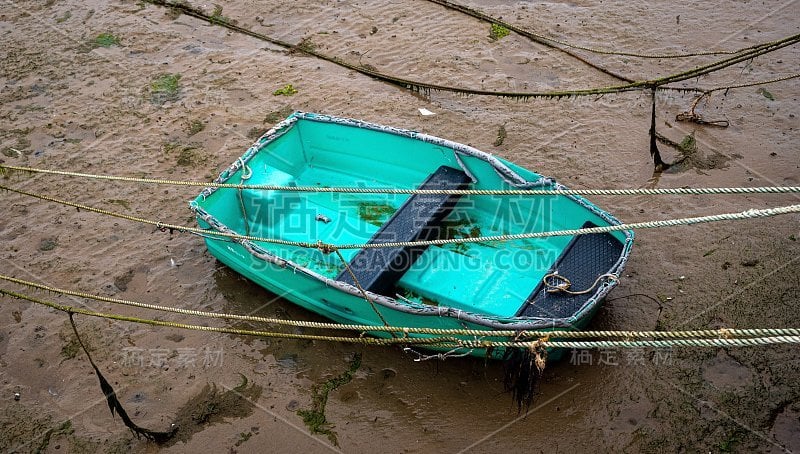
(399, 304)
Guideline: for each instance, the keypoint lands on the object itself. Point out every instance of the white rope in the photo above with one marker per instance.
(247, 172)
(750, 342)
(359, 190)
(556, 283)
(749, 214)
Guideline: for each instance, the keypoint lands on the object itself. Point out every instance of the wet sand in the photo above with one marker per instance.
(67, 102)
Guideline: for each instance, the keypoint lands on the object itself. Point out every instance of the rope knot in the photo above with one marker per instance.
(325, 248)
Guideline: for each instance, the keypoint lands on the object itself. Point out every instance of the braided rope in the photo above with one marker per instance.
(438, 342)
(556, 283)
(360, 190)
(361, 289)
(727, 333)
(660, 82)
(753, 84)
(748, 214)
(691, 115)
(166, 226)
(752, 342)
(152, 322)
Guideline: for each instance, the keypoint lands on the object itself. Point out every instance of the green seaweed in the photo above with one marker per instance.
(187, 155)
(286, 90)
(728, 444)
(71, 348)
(501, 136)
(165, 87)
(105, 40)
(243, 437)
(688, 145)
(414, 296)
(458, 229)
(217, 17)
(314, 418)
(327, 268)
(48, 244)
(194, 127)
(765, 93)
(255, 132)
(375, 213)
(64, 18)
(498, 32)
(278, 115)
(213, 406)
(64, 429)
(709, 252)
(306, 45)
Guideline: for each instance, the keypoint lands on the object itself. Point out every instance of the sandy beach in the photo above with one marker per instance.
(130, 88)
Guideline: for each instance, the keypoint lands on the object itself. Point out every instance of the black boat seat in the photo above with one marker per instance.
(585, 258)
(419, 218)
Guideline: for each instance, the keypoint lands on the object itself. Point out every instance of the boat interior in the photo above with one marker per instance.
(504, 279)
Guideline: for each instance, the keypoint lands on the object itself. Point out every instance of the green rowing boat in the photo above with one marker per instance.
(437, 257)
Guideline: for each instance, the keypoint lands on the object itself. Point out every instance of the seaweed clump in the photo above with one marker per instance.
(212, 405)
(523, 369)
(165, 88)
(315, 418)
(498, 32)
(375, 213)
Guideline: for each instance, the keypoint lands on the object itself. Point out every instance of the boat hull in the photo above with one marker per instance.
(477, 285)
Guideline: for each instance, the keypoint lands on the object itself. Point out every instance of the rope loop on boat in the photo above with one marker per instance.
(556, 283)
(247, 172)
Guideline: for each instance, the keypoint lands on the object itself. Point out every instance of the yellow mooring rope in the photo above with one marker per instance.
(726, 333)
(447, 342)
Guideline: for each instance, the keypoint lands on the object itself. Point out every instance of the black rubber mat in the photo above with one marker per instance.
(585, 258)
(419, 218)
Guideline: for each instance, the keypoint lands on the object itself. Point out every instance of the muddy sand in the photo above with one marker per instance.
(84, 89)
